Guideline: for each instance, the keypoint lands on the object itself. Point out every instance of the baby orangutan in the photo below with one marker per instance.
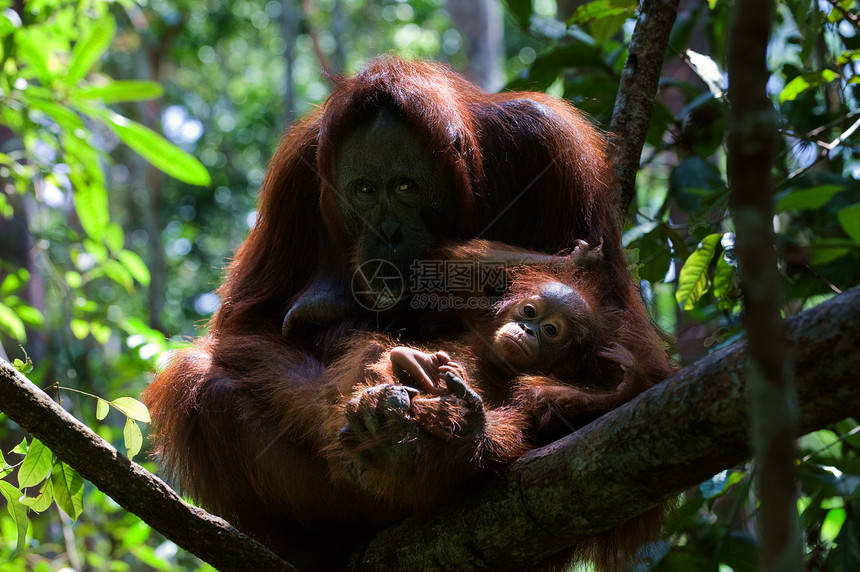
(546, 347)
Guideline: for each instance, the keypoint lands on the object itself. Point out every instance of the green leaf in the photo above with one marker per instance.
(102, 408)
(848, 56)
(65, 117)
(118, 273)
(828, 249)
(44, 499)
(723, 277)
(132, 408)
(695, 185)
(720, 483)
(29, 314)
(134, 325)
(30, 53)
(133, 438)
(122, 90)
(68, 490)
(547, 66)
(521, 10)
(73, 279)
(603, 29)
(84, 305)
(36, 466)
(135, 265)
(21, 448)
(693, 278)
(6, 25)
(599, 9)
(655, 254)
(12, 324)
(91, 204)
(100, 332)
(832, 524)
(805, 82)
(14, 281)
(17, 511)
(806, 199)
(80, 328)
(89, 49)
(136, 534)
(157, 150)
(849, 218)
(811, 22)
(97, 249)
(24, 367)
(845, 556)
(114, 237)
(87, 163)
(13, 164)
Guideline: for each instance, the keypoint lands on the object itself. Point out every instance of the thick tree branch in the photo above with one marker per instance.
(634, 104)
(133, 487)
(668, 439)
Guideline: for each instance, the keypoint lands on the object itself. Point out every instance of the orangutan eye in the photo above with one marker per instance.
(550, 330)
(405, 186)
(364, 187)
(529, 311)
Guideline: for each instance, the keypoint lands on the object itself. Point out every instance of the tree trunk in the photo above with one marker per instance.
(480, 24)
(752, 146)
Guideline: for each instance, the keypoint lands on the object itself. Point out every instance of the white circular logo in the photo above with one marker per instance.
(377, 285)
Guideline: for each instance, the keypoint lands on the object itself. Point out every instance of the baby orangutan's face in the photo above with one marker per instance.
(535, 329)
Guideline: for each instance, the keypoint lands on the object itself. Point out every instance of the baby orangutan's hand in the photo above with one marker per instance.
(420, 370)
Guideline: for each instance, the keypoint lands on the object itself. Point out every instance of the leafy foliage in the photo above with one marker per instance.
(56, 481)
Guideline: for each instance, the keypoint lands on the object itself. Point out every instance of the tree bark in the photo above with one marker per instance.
(668, 439)
(634, 103)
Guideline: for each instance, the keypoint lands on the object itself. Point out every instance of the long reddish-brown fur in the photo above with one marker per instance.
(248, 421)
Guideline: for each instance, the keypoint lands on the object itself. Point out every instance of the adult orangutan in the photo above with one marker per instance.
(401, 158)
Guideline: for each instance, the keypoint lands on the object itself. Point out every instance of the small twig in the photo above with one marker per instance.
(853, 18)
(838, 440)
(845, 135)
(824, 148)
(821, 128)
(322, 59)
